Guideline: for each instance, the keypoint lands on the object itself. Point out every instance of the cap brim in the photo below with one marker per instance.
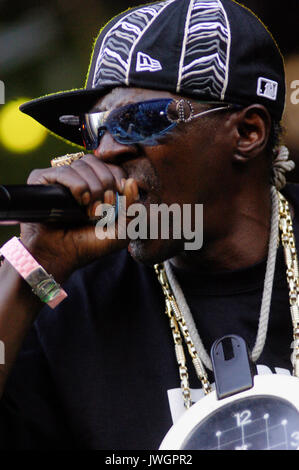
(48, 109)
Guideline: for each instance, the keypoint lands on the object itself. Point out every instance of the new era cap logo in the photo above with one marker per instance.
(145, 62)
(267, 88)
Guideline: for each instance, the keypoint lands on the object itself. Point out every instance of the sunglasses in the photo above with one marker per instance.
(142, 122)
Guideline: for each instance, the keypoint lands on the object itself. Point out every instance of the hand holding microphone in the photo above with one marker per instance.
(68, 194)
(40, 203)
(45, 203)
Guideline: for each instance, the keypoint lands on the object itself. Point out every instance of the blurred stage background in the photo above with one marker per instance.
(45, 47)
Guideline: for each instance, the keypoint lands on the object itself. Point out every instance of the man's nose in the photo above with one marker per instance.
(111, 151)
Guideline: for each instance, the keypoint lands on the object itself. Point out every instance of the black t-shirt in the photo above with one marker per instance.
(99, 371)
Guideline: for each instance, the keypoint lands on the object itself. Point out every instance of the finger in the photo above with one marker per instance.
(118, 174)
(130, 190)
(108, 199)
(103, 173)
(66, 176)
(130, 196)
(94, 180)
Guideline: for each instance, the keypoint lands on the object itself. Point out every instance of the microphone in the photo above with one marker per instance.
(44, 204)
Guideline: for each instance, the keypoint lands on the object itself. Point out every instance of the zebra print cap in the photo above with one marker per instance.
(207, 49)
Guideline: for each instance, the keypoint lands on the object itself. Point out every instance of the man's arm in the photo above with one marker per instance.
(18, 309)
(58, 250)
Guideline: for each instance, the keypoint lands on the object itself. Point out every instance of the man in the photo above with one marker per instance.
(99, 371)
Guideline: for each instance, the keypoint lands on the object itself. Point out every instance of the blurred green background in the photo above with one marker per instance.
(45, 47)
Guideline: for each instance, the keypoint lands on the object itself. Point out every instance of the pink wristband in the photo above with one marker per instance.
(42, 283)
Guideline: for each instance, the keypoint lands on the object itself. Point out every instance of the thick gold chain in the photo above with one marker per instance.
(290, 253)
(178, 325)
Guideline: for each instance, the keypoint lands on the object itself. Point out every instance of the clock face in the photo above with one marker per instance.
(252, 423)
(264, 417)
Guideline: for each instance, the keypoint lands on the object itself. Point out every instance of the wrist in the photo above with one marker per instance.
(12, 282)
(41, 282)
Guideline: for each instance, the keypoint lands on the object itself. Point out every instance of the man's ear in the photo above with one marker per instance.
(253, 126)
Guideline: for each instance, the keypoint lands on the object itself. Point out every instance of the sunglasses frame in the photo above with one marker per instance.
(183, 108)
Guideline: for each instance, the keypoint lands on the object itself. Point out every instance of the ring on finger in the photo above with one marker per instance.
(67, 159)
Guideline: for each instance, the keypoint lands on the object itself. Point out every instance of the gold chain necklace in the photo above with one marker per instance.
(178, 324)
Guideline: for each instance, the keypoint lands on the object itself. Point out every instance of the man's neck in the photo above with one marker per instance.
(241, 243)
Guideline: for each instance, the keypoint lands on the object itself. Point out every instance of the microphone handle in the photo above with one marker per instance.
(40, 203)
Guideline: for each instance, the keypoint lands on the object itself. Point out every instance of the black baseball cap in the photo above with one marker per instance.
(214, 50)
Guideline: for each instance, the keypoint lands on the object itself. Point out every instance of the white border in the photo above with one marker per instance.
(275, 385)
(262, 94)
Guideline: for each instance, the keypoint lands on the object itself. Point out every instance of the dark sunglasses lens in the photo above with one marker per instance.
(140, 122)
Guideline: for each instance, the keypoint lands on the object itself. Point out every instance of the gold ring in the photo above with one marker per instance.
(67, 159)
